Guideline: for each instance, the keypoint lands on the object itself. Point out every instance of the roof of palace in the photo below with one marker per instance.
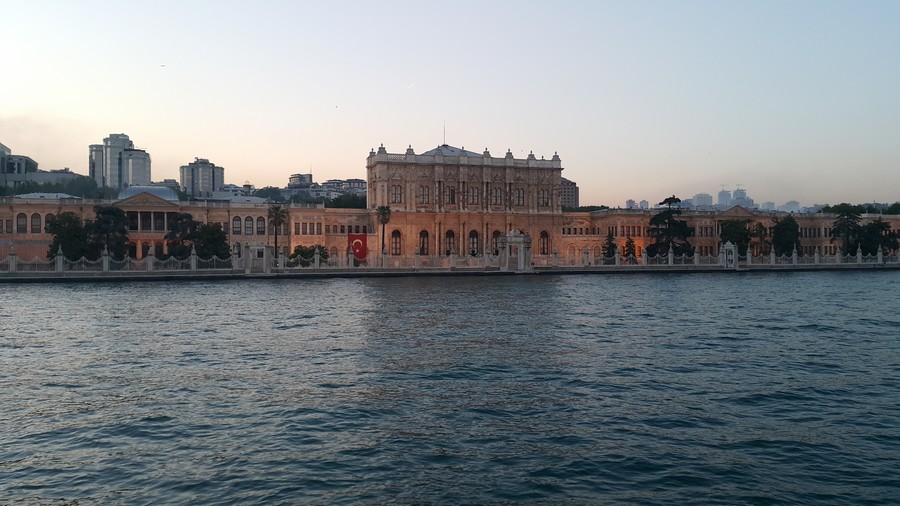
(49, 196)
(446, 150)
(162, 192)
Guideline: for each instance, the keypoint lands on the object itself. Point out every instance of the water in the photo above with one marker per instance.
(651, 389)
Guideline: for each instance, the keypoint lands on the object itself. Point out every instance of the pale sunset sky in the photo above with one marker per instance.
(792, 100)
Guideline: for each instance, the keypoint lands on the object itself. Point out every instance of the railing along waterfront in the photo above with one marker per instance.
(262, 262)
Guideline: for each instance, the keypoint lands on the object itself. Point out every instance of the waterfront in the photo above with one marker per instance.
(666, 388)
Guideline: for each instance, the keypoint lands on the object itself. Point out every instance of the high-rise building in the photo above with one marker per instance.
(117, 163)
(568, 193)
(724, 201)
(201, 178)
(703, 200)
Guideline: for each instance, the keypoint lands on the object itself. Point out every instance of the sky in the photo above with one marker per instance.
(788, 99)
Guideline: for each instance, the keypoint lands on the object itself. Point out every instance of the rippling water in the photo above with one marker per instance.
(655, 389)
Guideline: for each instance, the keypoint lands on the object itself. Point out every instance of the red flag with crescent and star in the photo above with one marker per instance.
(357, 244)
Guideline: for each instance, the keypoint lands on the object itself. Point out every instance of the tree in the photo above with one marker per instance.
(110, 230)
(877, 235)
(269, 193)
(846, 227)
(384, 217)
(182, 235)
(760, 237)
(278, 216)
(304, 255)
(785, 236)
(736, 232)
(630, 250)
(207, 240)
(69, 234)
(347, 201)
(669, 232)
(609, 246)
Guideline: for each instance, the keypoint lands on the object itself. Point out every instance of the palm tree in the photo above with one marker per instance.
(278, 216)
(384, 217)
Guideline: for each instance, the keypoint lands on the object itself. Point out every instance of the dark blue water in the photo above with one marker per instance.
(649, 389)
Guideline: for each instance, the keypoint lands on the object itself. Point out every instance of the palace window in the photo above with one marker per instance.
(544, 198)
(260, 226)
(544, 243)
(450, 194)
(236, 225)
(35, 223)
(450, 242)
(497, 196)
(21, 223)
(396, 194)
(473, 196)
(424, 195)
(520, 196)
(495, 242)
(423, 242)
(474, 248)
(395, 242)
(248, 226)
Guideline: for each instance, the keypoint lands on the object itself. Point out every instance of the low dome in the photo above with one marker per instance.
(162, 192)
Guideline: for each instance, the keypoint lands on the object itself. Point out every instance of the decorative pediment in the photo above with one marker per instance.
(737, 211)
(146, 200)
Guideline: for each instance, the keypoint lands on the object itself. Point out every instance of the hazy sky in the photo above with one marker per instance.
(641, 99)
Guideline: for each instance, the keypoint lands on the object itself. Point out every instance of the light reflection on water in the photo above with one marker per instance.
(776, 387)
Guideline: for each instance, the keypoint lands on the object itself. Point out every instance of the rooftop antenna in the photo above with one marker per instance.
(445, 132)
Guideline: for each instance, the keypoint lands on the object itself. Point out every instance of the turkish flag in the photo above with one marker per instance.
(357, 244)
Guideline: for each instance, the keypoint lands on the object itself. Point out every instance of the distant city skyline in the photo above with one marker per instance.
(793, 100)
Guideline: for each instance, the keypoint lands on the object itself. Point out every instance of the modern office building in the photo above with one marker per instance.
(568, 193)
(202, 178)
(117, 163)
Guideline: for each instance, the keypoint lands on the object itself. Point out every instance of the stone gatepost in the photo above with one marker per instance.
(525, 257)
(816, 258)
(12, 261)
(554, 259)
(452, 260)
(585, 258)
(794, 255)
(644, 257)
(317, 258)
(722, 256)
(267, 261)
(248, 260)
(696, 257)
(383, 260)
(671, 255)
(772, 256)
(149, 259)
(193, 258)
(504, 253)
(749, 256)
(858, 255)
(618, 258)
(104, 259)
(880, 258)
(59, 260)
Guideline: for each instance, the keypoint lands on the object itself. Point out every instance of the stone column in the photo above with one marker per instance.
(671, 255)
(317, 258)
(618, 257)
(816, 256)
(880, 256)
(772, 256)
(644, 257)
(104, 257)
(858, 255)
(59, 259)
(149, 259)
(585, 258)
(794, 256)
(193, 258)
(696, 257)
(267, 260)
(12, 261)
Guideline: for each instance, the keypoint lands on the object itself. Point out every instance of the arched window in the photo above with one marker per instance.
(396, 194)
(424, 195)
(21, 223)
(495, 242)
(236, 225)
(35, 223)
(236, 249)
(260, 226)
(544, 243)
(450, 242)
(395, 242)
(474, 246)
(48, 219)
(248, 226)
(423, 242)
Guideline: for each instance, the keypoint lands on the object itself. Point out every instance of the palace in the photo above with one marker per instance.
(444, 202)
